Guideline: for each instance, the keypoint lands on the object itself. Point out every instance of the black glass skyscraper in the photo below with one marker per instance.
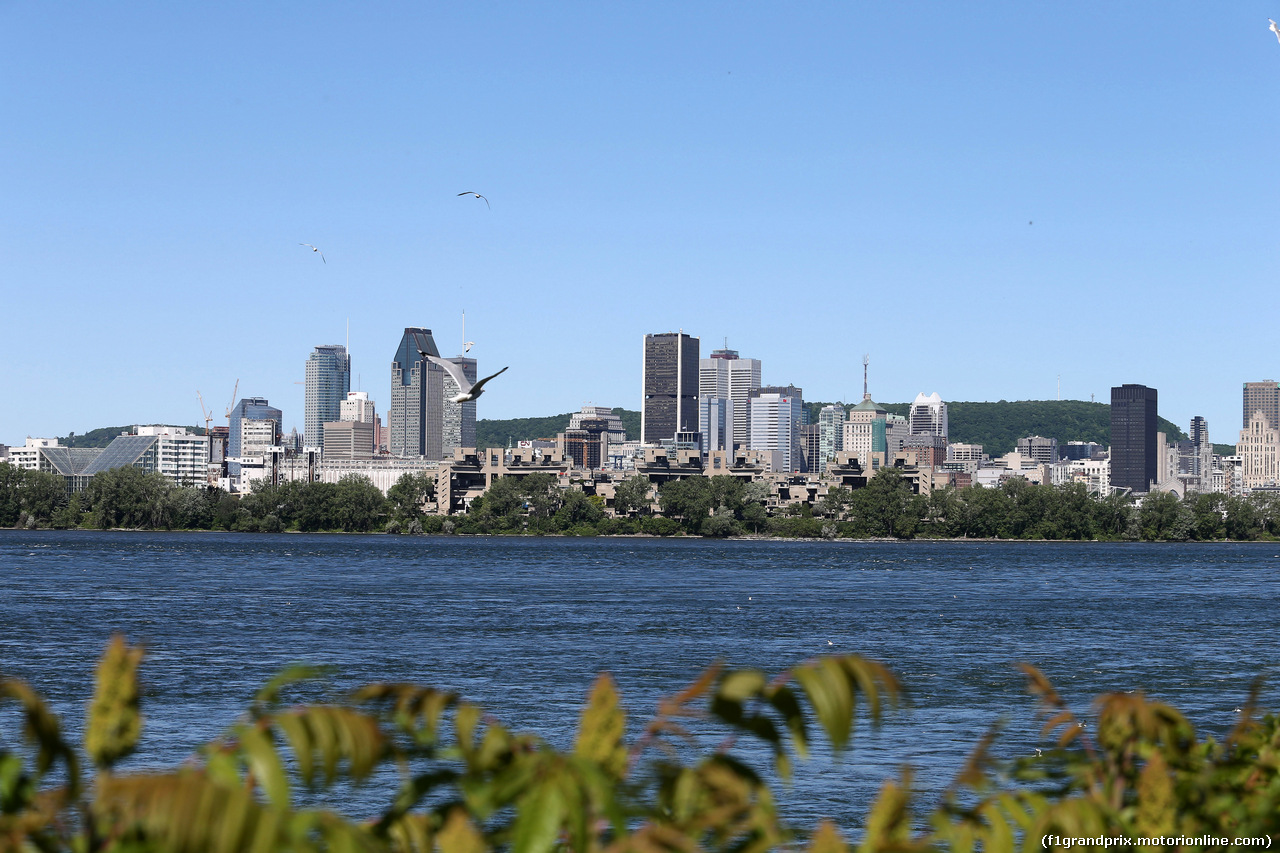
(1133, 437)
(670, 402)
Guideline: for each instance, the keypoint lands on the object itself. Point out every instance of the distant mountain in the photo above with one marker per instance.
(102, 437)
(998, 426)
(497, 433)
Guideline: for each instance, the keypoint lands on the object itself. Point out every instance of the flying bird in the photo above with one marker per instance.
(466, 390)
(477, 195)
(468, 345)
(1275, 29)
(314, 249)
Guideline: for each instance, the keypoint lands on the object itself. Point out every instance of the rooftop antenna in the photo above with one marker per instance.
(866, 359)
(1059, 386)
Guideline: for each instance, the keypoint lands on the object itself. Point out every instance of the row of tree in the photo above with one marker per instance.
(703, 506)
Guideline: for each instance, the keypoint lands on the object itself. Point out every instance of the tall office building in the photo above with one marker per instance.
(358, 408)
(416, 417)
(715, 422)
(830, 434)
(929, 415)
(670, 387)
(1262, 397)
(458, 419)
(730, 377)
(1133, 437)
(251, 409)
(328, 381)
(776, 418)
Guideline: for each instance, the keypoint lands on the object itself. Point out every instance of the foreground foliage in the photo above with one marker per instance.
(465, 784)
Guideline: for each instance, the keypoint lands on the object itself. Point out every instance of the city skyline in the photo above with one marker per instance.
(1043, 207)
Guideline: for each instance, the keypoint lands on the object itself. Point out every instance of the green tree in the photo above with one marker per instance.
(42, 495)
(1162, 516)
(688, 499)
(411, 493)
(631, 496)
(886, 507)
(127, 497)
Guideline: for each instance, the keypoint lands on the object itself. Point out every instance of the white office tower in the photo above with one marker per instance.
(729, 377)
(357, 407)
(929, 415)
(775, 428)
(715, 422)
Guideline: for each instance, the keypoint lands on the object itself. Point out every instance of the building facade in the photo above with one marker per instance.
(776, 418)
(254, 408)
(670, 387)
(1262, 397)
(1259, 452)
(416, 417)
(328, 381)
(715, 422)
(1133, 437)
(728, 376)
(458, 420)
(928, 415)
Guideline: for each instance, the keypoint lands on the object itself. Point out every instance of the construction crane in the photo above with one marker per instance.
(208, 419)
(232, 404)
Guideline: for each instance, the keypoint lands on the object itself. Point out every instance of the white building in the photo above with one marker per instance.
(1259, 452)
(729, 377)
(928, 415)
(27, 457)
(775, 428)
(830, 434)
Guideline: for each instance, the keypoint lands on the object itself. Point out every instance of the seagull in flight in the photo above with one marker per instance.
(314, 249)
(1275, 29)
(467, 391)
(468, 345)
(477, 195)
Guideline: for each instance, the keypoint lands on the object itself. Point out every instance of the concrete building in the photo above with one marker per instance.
(811, 447)
(328, 381)
(1080, 450)
(587, 446)
(728, 376)
(416, 417)
(1133, 438)
(617, 432)
(348, 440)
(360, 409)
(1042, 450)
(1259, 452)
(928, 415)
(1262, 397)
(715, 422)
(254, 408)
(874, 434)
(458, 420)
(669, 403)
(776, 418)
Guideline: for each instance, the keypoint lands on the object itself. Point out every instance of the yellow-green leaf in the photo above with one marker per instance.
(602, 727)
(114, 723)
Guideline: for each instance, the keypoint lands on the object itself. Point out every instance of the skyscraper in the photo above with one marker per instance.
(929, 415)
(1262, 397)
(730, 377)
(328, 381)
(416, 417)
(459, 419)
(1133, 437)
(830, 434)
(776, 416)
(669, 386)
(253, 409)
(715, 422)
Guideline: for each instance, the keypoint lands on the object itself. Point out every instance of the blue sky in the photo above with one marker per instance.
(983, 199)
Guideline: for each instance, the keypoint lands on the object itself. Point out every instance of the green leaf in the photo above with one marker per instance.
(114, 724)
(602, 727)
(264, 762)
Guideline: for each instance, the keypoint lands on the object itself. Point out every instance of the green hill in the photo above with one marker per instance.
(998, 426)
(496, 433)
(102, 437)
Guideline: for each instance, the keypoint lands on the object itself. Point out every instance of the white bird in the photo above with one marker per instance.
(468, 345)
(477, 195)
(467, 391)
(1275, 29)
(314, 249)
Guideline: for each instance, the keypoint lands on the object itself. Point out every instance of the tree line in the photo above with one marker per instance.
(717, 506)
